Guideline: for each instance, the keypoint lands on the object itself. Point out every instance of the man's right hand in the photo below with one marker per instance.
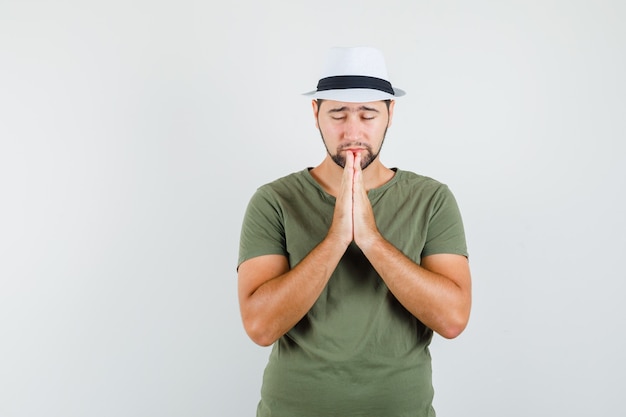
(273, 296)
(342, 226)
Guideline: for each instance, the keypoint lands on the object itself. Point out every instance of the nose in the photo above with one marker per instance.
(352, 129)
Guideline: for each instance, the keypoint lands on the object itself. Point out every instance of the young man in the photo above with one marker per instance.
(348, 268)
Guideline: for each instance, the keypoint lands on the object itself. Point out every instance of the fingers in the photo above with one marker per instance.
(350, 160)
(348, 174)
(357, 160)
(358, 173)
(342, 219)
(363, 215)
(359, 195)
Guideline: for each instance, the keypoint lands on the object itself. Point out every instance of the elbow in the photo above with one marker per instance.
(261, 340)
(259, 333)
(454, 327)
(260, 325)
(451, 332)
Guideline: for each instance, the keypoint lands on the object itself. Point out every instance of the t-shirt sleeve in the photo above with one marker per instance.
(262, 231)
(445, 230)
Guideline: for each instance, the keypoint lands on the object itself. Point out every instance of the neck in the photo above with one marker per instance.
(328, 174)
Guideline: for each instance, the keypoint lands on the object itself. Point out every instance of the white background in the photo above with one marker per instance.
(132, 134)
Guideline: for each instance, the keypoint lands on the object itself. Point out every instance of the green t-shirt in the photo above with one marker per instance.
(358, 351)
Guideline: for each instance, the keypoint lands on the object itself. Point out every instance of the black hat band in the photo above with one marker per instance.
(342, 82)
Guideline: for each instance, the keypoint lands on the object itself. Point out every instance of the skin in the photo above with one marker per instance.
(273, 298)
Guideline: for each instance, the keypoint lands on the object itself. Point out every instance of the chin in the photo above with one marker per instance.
(365, 162)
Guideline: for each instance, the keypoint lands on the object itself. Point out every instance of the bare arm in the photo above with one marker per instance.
(272, 297)
(438, 292)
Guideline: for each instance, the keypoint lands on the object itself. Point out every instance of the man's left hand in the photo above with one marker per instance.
(365, 230)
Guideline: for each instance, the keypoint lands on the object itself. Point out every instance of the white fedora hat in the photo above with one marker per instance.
(356, 75)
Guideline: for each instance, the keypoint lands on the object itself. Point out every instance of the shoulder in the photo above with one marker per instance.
(410, 177)
(413, 182)
(281, 191)
(297, 180)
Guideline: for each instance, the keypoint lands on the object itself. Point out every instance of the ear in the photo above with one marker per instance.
(316, 111)
(391, 106)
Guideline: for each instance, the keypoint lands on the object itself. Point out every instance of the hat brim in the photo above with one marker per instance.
(355, 95)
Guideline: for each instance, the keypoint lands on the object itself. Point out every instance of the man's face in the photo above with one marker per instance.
(353, 127)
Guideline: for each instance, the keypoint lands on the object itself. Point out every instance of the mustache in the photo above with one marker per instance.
(354, 145)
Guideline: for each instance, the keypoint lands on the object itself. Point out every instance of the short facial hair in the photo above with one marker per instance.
(367, 157)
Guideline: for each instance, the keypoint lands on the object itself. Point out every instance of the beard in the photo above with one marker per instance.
(367, 154)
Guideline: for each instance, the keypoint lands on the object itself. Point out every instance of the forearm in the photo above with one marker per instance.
(280, 303)
(440, 302)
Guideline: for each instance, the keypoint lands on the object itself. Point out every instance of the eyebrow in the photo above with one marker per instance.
(346, 108)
